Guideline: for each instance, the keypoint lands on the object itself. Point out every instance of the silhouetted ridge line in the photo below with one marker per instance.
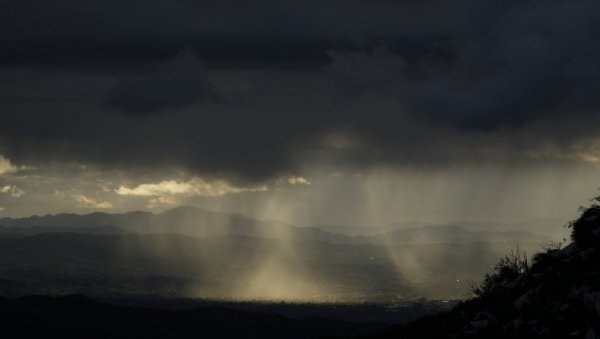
(557, 296)
(76, 316)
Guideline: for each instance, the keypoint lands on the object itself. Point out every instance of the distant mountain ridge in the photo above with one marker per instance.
(189, 221)
(454, 234)
(198, 222)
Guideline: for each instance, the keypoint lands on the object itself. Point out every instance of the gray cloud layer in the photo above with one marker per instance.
(248, 91)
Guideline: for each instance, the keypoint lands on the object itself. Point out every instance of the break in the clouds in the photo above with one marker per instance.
(240, 94)
(12, 190)
(193, 187)
(173, 192)
(87, 202)
(6, 167)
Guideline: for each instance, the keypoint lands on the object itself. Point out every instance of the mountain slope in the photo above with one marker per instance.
(558, 296)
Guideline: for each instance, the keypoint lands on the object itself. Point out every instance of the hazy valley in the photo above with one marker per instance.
(188, 252)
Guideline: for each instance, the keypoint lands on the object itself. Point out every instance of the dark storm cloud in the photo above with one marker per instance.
(72, 33)
(176, 83)
(539, 59)
(250, 90)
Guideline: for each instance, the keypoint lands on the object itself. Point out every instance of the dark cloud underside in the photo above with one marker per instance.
(248, 90)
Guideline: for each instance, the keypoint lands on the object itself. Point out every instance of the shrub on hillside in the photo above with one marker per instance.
(586, 229)
(506, 270)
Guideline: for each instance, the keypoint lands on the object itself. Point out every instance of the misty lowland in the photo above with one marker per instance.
(189, 252)
(189, 271)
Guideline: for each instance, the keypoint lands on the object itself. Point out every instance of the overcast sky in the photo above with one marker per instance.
(358, 112)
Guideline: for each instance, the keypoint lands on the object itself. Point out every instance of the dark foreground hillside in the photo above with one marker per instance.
(80, 317)
(557, 296)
